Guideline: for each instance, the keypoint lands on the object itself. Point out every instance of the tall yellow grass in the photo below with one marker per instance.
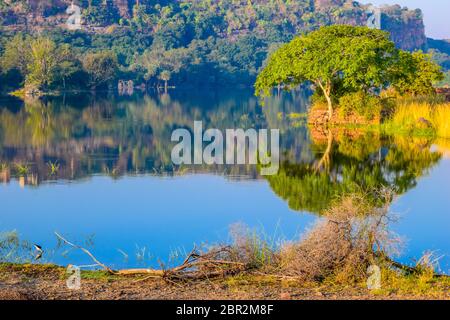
(407, 116)
(441, 120)
(443, 146)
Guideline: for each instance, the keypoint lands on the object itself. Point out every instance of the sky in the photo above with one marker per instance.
(436, 14)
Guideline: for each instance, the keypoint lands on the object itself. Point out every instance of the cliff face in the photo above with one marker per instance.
(406, 26)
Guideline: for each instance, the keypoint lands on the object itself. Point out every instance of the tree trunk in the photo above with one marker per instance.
(327, 93)
(165, 86)
(330, 106)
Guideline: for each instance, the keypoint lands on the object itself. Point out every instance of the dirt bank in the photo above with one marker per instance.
(37, 282)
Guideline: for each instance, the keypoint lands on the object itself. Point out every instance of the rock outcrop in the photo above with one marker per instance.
(406, 27)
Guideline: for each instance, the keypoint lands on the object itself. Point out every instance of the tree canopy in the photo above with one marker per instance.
(39, 61)
(101, 67)
(342, 59)
(356, 58)
(417, 74)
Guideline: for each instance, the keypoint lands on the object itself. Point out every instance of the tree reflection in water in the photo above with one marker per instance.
(350, 161)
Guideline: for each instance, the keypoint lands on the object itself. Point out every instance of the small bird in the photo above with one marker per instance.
(39, 250)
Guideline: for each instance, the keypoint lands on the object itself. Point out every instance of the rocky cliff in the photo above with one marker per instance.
(406, 27)
(240, 16)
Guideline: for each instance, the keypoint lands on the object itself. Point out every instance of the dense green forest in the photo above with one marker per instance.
(198, 43)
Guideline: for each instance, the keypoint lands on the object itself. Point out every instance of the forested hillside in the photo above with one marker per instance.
(198, 43)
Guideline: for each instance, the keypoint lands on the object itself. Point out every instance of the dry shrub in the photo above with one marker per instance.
(343, 244)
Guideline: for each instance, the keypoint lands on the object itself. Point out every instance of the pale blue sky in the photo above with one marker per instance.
(436, 12)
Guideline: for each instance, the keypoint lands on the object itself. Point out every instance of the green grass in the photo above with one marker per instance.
(22, 169)
(98, 275)
(29, 268)
(424, 284)
(53, 167)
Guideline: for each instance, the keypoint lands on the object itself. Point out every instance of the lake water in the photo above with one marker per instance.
(114, 189)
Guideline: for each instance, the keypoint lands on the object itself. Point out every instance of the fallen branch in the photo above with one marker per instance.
(85, 251)
(195, 266)
(150, 272)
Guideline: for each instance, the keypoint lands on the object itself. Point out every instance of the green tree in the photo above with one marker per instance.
(101, 67)
(165, 76)
(148, 65)
(68, 65)
(416, 74)
(356, 58)
(445, 81)
(140, 19)
(45, 58)
(39, 61)
(163, 62)
(17, 54)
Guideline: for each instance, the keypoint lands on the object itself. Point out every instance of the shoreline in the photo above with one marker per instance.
(41, 282)
(339, 267)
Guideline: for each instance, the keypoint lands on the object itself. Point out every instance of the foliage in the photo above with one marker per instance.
(224, 42)
(445, 81)
(100, 15)
(162, 63)
(349, 65)
(353, 165)
(40, 62)
(16, 54)
(44, 58)
(101, 68)
(361, 103)
(355, 58)
(417, 74)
